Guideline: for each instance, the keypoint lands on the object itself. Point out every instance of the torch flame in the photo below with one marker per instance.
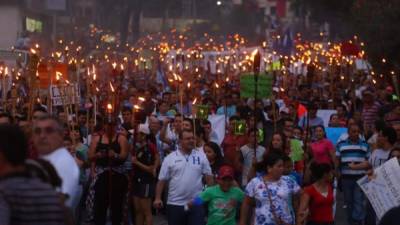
(194, 101)
(188, 85)
(109, 107)
(114, 65)
(254, 53)
(142, 99)
(112, 87)
(58, 75)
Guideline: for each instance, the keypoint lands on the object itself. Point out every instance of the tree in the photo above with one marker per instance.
(377, 23)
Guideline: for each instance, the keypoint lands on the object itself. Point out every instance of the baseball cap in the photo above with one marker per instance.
(225, 172)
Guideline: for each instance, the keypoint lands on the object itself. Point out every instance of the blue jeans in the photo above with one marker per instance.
(354, 199)
(176, 215)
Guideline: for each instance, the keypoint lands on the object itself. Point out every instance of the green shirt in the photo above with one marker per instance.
(222, 205)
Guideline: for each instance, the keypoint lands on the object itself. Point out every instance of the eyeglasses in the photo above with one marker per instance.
(45, 130)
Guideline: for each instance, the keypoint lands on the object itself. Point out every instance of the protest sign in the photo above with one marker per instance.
(260, 135)
(383, 191)
(43, 75)
(240, 127)
(202, 112)
(247, 86)
(325, 115)
(297, 150)
(64, 94)
(218, 125)
(333, 133)
(61, 69)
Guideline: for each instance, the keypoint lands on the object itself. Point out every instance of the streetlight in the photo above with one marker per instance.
(219, 3)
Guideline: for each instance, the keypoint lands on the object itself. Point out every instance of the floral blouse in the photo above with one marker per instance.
(280, 192)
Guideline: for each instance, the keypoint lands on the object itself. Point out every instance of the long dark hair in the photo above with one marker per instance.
(217, 151)
(318, 170)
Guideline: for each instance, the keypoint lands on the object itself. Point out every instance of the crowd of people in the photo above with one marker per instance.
(272, 164)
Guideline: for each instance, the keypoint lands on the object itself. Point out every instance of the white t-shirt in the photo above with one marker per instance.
(68, 171)
(378, 157)
(184, 173)
(248, 155)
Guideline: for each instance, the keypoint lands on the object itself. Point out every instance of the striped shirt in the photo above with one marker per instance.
(348, 152)
(370, 114)
(29, 201)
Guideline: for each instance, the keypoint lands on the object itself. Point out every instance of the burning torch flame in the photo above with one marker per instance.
(114, 65)
(112, 87)
(58, 75)
(109, 107)
(253, 54)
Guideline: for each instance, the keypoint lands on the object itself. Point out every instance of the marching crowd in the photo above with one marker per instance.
(272, 164)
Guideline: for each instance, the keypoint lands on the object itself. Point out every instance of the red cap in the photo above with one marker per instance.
(225, 171)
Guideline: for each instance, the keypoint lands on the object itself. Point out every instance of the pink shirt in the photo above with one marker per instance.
(321, 151)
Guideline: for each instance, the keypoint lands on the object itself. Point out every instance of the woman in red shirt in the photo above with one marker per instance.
(316, 204)
(322, 149)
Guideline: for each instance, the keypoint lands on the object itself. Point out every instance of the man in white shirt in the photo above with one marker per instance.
(246, 154)
(48, 140)
(183, 170)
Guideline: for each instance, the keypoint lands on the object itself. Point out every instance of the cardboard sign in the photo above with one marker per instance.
(65, 94)
(240, 127)
(383, 190)
(325, 115)
(247, 86)
(260, 135)
(334, 133)
(62, 69)
(202, 112)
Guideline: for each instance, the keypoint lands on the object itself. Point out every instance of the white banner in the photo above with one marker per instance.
(325, 115)
(218, 126)
(65, 94)
(383, 191)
